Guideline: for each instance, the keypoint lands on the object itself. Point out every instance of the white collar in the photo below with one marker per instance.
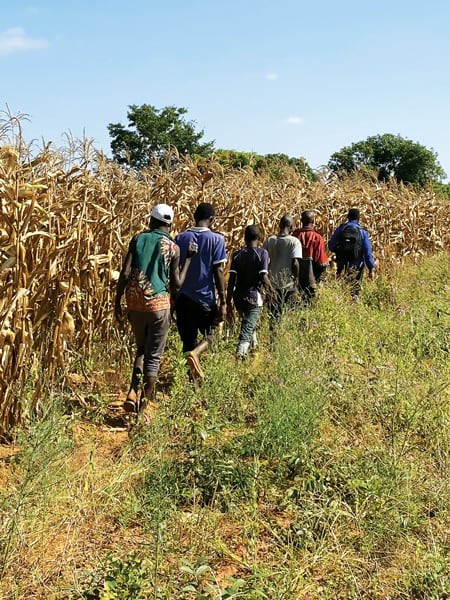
(198, 229)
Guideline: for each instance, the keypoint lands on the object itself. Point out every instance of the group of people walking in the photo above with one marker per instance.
(161, 276)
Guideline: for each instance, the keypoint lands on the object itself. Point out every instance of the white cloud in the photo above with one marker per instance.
(16, 39)
(294, 121)
(272, 76)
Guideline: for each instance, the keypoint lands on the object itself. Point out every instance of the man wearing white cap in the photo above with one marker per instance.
(152, 261)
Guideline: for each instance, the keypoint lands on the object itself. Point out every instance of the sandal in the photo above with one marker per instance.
(131, 404)
(194, 367)
(147, 414)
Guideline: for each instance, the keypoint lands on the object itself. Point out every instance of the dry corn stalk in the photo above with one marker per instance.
(64, 229)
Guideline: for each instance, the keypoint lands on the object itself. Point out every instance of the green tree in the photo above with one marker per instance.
(390, 156)
(152, 132)
(274, 164)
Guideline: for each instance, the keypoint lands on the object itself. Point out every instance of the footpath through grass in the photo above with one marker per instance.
(318, 469)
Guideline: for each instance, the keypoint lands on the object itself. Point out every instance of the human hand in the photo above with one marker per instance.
(223, 312)
(230, 313)
(192, 249)
(118, 313)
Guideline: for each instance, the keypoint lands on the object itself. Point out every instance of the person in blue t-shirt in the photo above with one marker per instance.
(196, 303)
(248, 275)
(351, 244)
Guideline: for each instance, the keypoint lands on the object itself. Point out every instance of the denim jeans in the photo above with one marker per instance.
(249, 314)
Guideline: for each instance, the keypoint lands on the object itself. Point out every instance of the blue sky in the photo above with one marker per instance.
(302, 78)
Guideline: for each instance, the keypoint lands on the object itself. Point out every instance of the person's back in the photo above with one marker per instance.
(283, 249)
(249, 264)
(151, 264)
(146, 289)
(248, 274)
(196, 303)
(351, 244)
(199, 284)
(314, 258)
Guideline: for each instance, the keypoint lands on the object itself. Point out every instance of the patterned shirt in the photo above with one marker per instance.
(146, 289)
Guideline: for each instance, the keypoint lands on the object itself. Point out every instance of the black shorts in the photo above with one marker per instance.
(194, 318)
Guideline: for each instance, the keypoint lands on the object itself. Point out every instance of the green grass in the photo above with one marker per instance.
(317, 469)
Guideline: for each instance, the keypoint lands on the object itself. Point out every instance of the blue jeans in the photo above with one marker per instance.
(249, 314)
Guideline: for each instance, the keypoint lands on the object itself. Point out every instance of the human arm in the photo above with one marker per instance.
(367, 251)
(319, 271)
(219, 258)
(264, 272)
(332, 241)
(230, 289)
(177, 275)
(219, 280)
(297, 254)
(267, 283)
(295, 268)
(320, 258)
(122, 282)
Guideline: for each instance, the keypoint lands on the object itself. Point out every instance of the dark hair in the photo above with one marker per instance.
(353, 214)
(204, 210)
(156, 223)
(285, 221)
(252, 233)
(307, 217)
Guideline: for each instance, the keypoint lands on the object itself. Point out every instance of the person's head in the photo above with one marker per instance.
(204, 212)
(161, 216)
(307, 218)
(286, 223)
(353, 214)
(252, 234)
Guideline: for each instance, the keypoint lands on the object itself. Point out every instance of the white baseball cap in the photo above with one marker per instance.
(162, 212)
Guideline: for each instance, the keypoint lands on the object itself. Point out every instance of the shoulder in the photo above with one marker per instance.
(217, 237)
(293, 240)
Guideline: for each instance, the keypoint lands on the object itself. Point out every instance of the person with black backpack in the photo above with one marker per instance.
(351, 245)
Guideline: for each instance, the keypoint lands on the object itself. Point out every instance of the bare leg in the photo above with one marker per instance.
(202, 346)
(145, 411)
(193, 357)
(130, 404)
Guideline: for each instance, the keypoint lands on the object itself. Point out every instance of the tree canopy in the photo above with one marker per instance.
(274, 164)
(390, 156)
(151, 132)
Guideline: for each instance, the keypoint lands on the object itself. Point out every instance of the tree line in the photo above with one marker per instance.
(151, 133)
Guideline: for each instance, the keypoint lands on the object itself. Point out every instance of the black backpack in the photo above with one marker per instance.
(349, 244)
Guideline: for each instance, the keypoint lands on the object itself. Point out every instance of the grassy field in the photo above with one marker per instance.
(316, 470)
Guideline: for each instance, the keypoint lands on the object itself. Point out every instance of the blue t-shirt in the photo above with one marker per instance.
(249, 264)
(199, 283)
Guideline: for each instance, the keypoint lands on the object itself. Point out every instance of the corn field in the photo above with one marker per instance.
(67, 217)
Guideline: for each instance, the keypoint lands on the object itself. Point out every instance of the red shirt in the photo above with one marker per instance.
(313, 245)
